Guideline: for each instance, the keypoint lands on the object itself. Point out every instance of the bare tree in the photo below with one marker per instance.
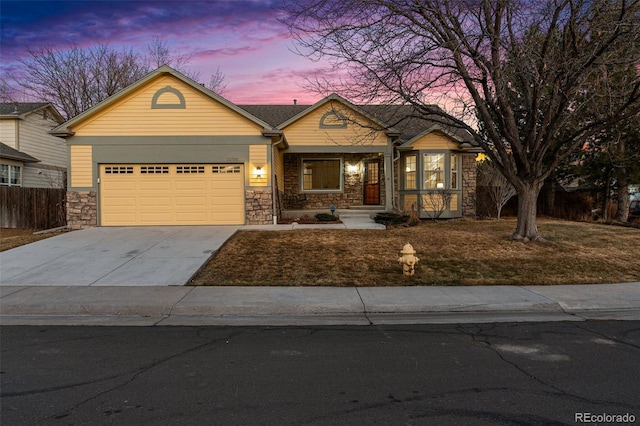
(159, 53)
(499, 188)
(436, 201)
(75, 79)
(524, 68)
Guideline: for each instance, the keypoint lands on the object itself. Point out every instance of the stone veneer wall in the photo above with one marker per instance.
(259, 207)
(469, 182)
(353, 191)
(82, 209)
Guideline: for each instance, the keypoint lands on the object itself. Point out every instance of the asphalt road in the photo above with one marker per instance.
(484, 374)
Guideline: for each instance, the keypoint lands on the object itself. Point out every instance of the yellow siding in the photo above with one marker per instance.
(435, 140)
(410, 203)
(278, 166)
(81, 166)
(307, 132)
(258, 158)
(133, 115)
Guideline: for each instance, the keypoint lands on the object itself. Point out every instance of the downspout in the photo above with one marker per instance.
(274, 195)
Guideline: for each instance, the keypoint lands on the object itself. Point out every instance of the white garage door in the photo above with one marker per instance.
(171, 194)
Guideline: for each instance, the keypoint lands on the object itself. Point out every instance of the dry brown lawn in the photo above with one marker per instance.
(12, 238)
(462, 252)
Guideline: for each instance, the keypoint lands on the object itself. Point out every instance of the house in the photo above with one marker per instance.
(29, 155)
(166, 150)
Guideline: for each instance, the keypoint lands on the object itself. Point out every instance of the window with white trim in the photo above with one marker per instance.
(10, 175)
(322, 174)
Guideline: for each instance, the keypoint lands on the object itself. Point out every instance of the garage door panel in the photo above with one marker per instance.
(191, 185)
(154, 201)
(163, 184)
(171, 194)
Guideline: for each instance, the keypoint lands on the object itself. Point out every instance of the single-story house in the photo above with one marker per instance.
(29, 155)
(167, 151)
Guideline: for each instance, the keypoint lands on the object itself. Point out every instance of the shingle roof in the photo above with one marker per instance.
(13, 154)
(404, 118)
(274, 114)
(18, 108)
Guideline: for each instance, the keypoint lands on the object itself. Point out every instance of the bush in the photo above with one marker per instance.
(387, 218)
(326, 217)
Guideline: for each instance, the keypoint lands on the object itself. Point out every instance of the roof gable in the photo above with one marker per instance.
(22, 109)
(336, 99)
(163, 99)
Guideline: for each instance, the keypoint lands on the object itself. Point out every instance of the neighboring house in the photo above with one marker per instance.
(166, 150)
(29, 155)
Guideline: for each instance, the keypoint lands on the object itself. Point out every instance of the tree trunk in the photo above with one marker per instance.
(527, 227)
(622, 214)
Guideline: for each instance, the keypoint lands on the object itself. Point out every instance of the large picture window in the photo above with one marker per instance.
(322, 174)
(10, 175)
(434, 171)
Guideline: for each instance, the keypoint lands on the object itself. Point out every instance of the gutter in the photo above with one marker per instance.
(273, 179)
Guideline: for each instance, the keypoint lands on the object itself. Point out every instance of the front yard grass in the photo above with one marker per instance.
(12, 238)
(461, 252)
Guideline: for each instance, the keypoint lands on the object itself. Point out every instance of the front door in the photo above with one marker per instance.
(372, 182)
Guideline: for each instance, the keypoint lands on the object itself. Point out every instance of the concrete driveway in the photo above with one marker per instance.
(121, 256)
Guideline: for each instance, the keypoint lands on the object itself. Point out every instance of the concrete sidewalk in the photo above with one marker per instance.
(194, 306)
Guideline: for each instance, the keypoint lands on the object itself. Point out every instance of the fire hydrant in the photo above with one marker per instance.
(408, 260)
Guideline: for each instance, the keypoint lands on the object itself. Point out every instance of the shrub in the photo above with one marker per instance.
(326, 217)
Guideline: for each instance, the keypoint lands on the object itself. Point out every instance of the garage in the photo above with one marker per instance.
(171, 194)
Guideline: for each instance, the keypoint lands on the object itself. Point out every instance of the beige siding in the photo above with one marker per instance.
(35, 175)
(36, 141)
(8, 132)
(307, 132)
(435, 140)
(258, 158)
(81, 166)
(133, 115)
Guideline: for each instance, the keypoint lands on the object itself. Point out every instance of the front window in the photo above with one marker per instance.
(322, 174)
(454, 171)
(410, 172)
(10, 175)
(434, 171)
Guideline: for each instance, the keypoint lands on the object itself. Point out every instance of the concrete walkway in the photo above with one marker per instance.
(193, 306)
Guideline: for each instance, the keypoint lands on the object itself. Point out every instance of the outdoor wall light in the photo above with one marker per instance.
(353, 168)
(258, 173)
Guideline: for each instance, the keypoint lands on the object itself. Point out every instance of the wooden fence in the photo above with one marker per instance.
(32, 208)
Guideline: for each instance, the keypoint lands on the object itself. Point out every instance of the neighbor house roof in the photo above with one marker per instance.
(20, 109)
(13, 154)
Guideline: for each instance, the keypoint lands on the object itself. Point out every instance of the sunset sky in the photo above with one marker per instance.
(242, 37)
